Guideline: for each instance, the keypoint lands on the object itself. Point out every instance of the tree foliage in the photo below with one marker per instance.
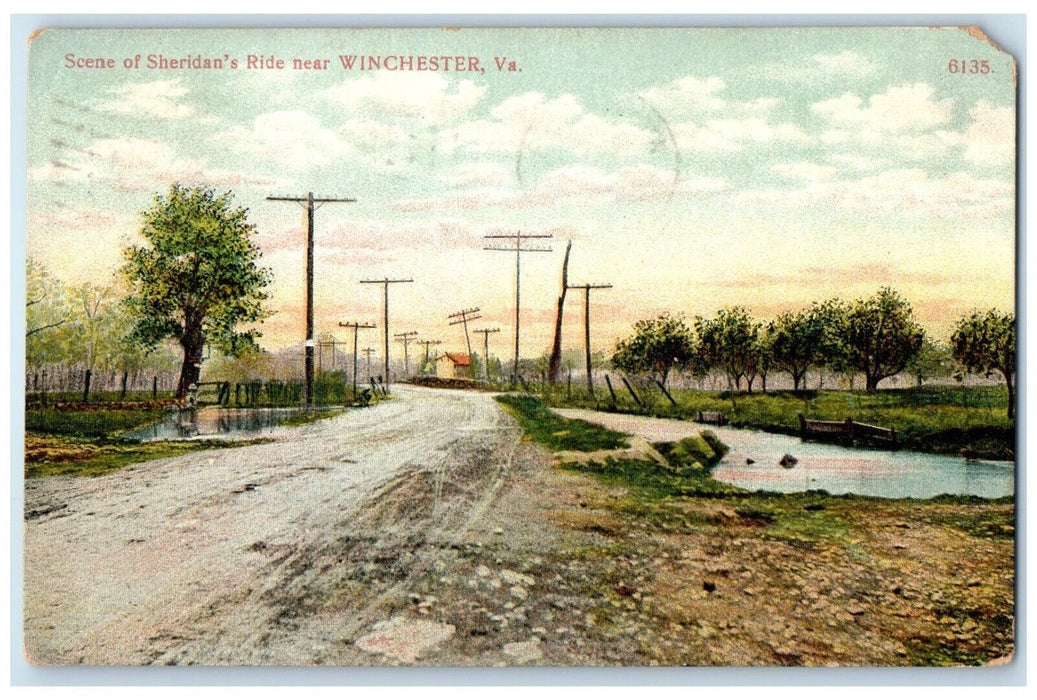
(880, 336)
(657, 347)
(730, 342)
(197, 280)
(47, 309)
(934, 359)
(985, 342)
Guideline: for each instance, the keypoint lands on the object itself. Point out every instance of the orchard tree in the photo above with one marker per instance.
(985, 342)
(933, 360)
(197, 279)
(730, 342)
(880, 336)
(658, 346)
(797, 343)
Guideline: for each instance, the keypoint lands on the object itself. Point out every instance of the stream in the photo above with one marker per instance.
(833, 468)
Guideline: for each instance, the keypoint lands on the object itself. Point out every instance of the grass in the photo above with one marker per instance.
(93, 423)
(944, 420)
(87, 442)
(557, 433)
(47, 455)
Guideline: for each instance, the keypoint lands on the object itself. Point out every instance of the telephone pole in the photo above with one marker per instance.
(386, 282)
(518, 238)
(426, 343)
(464, 317)
(367, 355)
(405, 338)
(356, 326)
(486, 350)
(311, 204)
(587, 324)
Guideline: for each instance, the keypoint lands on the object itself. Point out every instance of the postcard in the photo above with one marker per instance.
(541, 347)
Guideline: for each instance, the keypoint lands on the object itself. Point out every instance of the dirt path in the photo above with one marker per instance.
(196, 559)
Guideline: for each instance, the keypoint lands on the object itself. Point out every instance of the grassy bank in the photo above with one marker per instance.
(557, 433)
(49, 455)
(943, 420)
(86, 440)
(734, 577)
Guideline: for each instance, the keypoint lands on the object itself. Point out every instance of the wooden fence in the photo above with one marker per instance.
(848, 429)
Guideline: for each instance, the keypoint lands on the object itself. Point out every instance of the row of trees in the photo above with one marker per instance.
(875, 336)
(71, 329)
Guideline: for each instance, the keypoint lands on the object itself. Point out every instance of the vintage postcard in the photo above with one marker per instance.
(520, 347)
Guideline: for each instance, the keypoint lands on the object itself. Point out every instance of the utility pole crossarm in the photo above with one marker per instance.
(356, 326)
(486, 349)
(308, 202)
(385, 283)
(587, 324)
(518, 249)
(463, 317)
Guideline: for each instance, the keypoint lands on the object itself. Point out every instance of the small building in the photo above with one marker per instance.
(451, 365)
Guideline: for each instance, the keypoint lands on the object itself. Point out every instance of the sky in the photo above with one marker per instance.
(691, 169)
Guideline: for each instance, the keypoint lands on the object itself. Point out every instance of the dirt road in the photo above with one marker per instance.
(423, 531)
(202, 558)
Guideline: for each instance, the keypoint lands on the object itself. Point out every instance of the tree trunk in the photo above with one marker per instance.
(555, 362)
(871, 383)
(191, 370)
(1011, 395)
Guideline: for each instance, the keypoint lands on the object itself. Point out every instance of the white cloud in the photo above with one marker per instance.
(990, 138)
(477, 175)
(427, 96)
(578, 184)
(734, 134)
(821, 67)
(855, 161)
(688, 94)
(843, 64)
(906, 193)
(908, 107)
(531, 121)
(158, 99)
(134, 165)
(803, 170)
(293, 139)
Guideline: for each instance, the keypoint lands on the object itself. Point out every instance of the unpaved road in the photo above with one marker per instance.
(203, 558)
(424, 531)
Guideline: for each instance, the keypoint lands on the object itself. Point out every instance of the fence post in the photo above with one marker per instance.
(631, 390)
(612, 391)
(86, 386)
(663, 387)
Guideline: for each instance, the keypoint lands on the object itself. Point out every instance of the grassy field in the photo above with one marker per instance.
(947, 420)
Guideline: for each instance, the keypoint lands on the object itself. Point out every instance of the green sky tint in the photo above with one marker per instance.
(692, 169)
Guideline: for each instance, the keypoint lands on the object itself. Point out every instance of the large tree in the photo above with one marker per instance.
(658, 346)
(880, 336)
(985, 342)
(197, 279)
